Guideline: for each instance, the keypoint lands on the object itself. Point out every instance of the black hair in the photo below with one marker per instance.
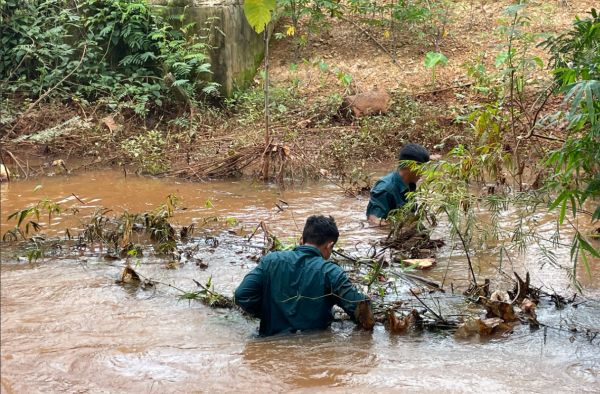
(414, 152)
(319, 230)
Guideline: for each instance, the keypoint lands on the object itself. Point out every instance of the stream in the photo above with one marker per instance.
(68, 326)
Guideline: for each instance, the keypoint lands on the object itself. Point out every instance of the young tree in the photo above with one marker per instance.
(258, 14)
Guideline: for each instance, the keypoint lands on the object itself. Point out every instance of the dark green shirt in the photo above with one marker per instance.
(296, 290)
(387, 194)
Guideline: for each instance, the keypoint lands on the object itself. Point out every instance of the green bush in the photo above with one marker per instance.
(116, 50)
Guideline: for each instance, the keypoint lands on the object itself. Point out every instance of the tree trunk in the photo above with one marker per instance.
(265, 170)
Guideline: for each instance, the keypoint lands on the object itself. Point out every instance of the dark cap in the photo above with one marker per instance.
(414, 152)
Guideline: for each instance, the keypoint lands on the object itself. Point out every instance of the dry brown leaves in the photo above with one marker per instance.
(500, 309)
(528, 307)
(364, 315)
(60, 163)
(129, 275)
(110, 123)
(398, 326)
(482, 327)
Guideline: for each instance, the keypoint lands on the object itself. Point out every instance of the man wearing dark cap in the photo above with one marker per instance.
(389, 192)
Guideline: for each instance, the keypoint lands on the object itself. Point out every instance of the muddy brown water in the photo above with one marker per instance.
(68, 327)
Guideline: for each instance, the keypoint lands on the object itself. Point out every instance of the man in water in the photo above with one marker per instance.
(389, 192)
(296, 290)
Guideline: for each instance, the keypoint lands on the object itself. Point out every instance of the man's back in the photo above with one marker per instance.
(387, 194)
(296, 290)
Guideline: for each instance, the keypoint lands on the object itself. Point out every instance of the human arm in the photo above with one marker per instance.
(346, 295)
(249, 294)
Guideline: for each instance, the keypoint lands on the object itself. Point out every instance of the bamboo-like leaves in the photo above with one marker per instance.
(576, 90)
(583, 246)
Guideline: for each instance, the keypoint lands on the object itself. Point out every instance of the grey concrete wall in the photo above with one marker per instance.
(237, 49)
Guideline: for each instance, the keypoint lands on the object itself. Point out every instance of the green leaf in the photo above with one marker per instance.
(573, 205)
(501, 58)
(512, 10)
(258, 13)
(433, 58)
(38, 187)
(596, 214)
(585, 245)
(585, 262)
(560, 198)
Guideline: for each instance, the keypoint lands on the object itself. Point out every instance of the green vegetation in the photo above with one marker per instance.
(115, 52)
(565, 181)
(432, 59)
(529, 155)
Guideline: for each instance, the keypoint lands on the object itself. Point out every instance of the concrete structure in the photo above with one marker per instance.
(238, 49)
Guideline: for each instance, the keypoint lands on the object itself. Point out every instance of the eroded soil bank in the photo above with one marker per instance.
(68, 325)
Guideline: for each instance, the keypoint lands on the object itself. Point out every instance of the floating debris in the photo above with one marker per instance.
(481, 327)
(420, 264)
(500, 309)
(129, 275)
(398, 326)
(364, 316)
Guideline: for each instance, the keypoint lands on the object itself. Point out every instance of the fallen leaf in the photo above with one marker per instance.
(286, 150)
(499, 309)
(473, 327)
(60, 163)
(364, 316)
(499, 295)
(492, 322)
(423, 264)
(527, 306)
(497, 324)
(129, 275)
(304, 123)
(397, 326)
(110, 123)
